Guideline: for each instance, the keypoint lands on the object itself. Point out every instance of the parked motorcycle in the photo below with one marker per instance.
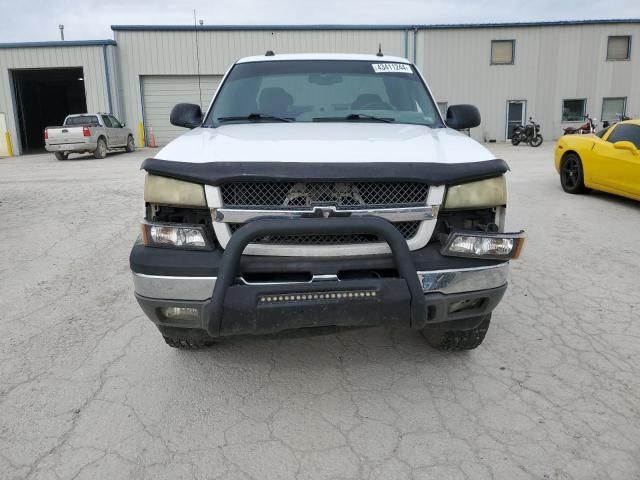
(587, 127)
(529, 133)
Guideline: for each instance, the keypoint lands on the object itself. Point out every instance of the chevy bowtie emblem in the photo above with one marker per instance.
(326, 212)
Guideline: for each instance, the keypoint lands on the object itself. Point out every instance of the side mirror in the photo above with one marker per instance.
(186, 115)
(460, 117)
(626, 145)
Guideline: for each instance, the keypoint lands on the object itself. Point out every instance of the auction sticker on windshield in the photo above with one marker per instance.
(391, 68)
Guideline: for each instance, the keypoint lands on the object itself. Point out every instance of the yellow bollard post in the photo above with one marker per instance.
(141, 134)
(7, 139)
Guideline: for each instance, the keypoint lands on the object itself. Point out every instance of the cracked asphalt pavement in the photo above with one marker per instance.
(89, 390)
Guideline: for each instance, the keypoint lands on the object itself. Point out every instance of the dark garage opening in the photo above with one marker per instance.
(44, 97)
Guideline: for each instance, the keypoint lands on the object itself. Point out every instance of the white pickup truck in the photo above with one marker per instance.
(323, 190)
(94, 133)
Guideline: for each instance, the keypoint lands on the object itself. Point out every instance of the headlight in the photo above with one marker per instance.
(499, 246)
(484, 193)
(169, 191)
(176, 235)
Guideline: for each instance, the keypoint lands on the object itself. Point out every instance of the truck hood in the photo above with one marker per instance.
(324, 143)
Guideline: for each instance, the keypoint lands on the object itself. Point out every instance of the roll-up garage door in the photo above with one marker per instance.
(161, 93)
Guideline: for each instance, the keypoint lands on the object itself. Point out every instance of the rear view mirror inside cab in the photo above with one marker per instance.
(325, 79)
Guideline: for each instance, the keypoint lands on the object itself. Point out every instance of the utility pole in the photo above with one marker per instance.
(61, 27)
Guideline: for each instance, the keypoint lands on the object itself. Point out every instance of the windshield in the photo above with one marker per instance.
(91, 120)
(323, 91)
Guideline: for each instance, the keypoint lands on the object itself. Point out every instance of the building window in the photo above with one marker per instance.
(613, 109)
(573, 110)
(619, 47)
(442, 106)
(502, 52)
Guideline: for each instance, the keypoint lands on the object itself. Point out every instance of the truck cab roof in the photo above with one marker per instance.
(324, 56)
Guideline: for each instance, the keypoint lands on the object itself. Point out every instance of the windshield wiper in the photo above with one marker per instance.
(254, 116)
(355, 116)
(358, 116)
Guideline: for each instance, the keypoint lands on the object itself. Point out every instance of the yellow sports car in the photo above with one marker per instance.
(607, 161)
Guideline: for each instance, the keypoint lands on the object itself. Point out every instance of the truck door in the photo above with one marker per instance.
(119, 130)
(112, 138)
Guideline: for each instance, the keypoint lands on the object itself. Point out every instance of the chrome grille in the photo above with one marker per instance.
(407, 229)
(342, 195)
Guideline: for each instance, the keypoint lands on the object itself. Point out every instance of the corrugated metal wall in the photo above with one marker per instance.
(90, 58)
(552, 63)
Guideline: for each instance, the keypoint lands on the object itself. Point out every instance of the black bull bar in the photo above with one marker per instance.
(240, 305)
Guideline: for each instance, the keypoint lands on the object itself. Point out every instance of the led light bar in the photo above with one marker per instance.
(352, 295)
(498, 246)
(175, 235)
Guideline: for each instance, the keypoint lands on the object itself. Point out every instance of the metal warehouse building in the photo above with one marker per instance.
(553, 71)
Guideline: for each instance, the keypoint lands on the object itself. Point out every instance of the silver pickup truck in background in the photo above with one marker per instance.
(94, 133)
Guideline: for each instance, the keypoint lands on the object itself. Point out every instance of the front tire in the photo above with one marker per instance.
(186, 338)
(572, 174)
(101, 149)
(536, 141)
(515, 141)
(187, 344)
(457, 340)
(61, 155)
(131, 146)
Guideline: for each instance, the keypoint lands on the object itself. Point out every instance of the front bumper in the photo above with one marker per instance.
(226, 305)
(480, 289)
(199, 289)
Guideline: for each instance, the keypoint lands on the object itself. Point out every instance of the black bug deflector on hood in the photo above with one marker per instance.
(216, 173)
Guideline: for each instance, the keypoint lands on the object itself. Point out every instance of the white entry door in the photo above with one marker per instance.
(516, 114)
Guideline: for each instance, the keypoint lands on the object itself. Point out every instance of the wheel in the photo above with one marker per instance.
(187, 344)
(61, 155)
(131, 146)
(186, 338)
(101, 149)
(457, 340)
(515, 141)
(572, 174)
(536, 141)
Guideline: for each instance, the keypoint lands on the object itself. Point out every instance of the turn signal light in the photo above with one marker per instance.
(176, 235)
(499, 246)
